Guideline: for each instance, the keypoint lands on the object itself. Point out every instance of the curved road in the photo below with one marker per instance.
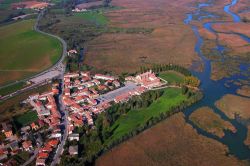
(56, 65)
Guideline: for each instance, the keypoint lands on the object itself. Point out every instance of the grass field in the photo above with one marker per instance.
(26, 118)
(135, 118)
(24, 52)
(93, 16)
(172, 77)
(11, 89)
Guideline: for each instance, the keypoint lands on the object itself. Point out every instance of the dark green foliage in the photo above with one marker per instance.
(165, 67)
(184, 89)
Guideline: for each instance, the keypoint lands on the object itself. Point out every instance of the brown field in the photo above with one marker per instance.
(244, 91)
(29, 4)
(232, 105)
(243, 28)
(170, 42)
(209, 121)
(242, 8)
(171, 142)
(237, 45)
(207, 34)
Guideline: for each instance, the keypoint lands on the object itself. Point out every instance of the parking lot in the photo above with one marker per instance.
(113, 94)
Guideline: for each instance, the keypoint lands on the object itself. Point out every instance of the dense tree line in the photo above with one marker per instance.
(165, 67)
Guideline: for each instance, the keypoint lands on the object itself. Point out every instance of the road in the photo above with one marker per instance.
(46, 74)
(64, 113)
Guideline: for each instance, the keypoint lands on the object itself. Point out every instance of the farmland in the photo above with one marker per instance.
(21, 48)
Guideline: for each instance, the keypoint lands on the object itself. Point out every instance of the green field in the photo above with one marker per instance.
(93, 16)
(24, 52)
(11, 88)
(26, 118)
(134, 118)
(172, 77)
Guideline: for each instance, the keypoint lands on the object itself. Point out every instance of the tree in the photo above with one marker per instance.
(184, 89)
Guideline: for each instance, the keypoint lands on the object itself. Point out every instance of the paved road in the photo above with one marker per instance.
(44, 75)
(65, 122)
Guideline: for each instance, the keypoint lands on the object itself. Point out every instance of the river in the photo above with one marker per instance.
(214, 90)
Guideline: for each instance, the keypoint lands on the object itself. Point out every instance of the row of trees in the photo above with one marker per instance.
(165, 67)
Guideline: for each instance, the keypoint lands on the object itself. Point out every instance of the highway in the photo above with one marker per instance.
(58, 66)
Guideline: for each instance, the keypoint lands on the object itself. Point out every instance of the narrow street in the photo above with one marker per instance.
(64, 124)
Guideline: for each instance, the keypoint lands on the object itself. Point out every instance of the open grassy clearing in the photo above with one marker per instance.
(93, 16)
(172, 77)
(24, 52)
(26, 118)
(134, 118)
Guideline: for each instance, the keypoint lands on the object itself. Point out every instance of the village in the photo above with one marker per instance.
(83, 96)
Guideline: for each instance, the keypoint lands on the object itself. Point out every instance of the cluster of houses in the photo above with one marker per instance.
(15, 142)
(81, 91)
(81, 98)
(30, 139)
(45, 106)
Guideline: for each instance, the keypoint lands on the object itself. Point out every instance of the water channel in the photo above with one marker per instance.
(214, 90)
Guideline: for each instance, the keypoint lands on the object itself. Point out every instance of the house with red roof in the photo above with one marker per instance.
(53, 142)
(42, 155)
(27, 145)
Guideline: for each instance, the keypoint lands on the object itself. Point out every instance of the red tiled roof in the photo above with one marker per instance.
(42, 155)
(53, 142)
